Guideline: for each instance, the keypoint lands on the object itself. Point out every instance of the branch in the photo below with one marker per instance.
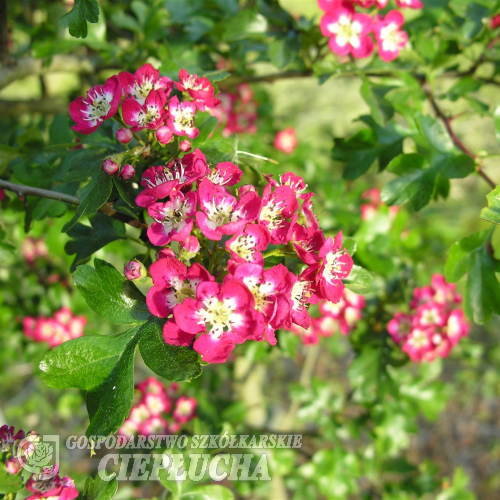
(60, 63)
(51, 106)
(106, 209)
(456, 140)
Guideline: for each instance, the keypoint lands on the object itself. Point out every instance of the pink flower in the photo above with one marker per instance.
(271, 289)
(222, 214)
(329, 5)
(247, 245)
(154, 425)
(348, 32)
(173, 219)
(199, 89)
(225, 174)
(286, 140)
(400, 327)
(301, 294)
(185, 409)
(151, 114)
(185, 145)
(159, 182)
(181, 118)
(224, 315)
(411, 4)
(334, 265)
(173, 335)
(173, 283)
(157, 403)
(151, 385)
(309, 335)
(49, 486)
(145, 79)
(457, 326)
(8, 437)
(391, 39)
(277, 207)
(495, 21)
(100, 105)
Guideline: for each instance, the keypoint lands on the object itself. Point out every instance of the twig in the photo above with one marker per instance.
(456, 140)
(106, 209)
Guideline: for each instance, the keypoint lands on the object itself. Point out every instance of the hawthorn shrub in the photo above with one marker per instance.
(246, 219)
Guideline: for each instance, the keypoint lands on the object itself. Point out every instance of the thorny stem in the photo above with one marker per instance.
(106, 209)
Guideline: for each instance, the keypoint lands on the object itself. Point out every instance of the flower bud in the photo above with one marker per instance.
(185, 146)
(127, 172)
(13, 465)
(166, 253)
(164, 135)
(124, 135)
(134, 270)
(192, 245)
(110, 167)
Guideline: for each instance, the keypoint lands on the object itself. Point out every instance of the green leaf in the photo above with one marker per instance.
(364, 374)
(207, 126)
(209, 492)
(463, 86)
(359, 280)
(110, 403)
(377, 105)
(84, 362)
(435, 134)
(456, 264)
(88, 240)
(492, 212)
(482, 290)
(416, 187)
(359, 151)
(406, 163)
(110, 295)
(282, 51)
(454, 166)
(167, 361)
(97, 489)
(9, 483)
(7, 154)
(92, 197)
(76, 19)
(216, 76)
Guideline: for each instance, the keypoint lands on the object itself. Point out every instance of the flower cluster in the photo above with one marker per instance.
(148, 102)
(433, 326)
(55, 330)
(148, 415)
(349, 31)
(370, 209)
(342, 316)
(228, 296)
(286, 140)
(237, 112)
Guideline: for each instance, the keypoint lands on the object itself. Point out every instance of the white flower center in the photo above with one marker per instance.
(333, 267)
(181, 289)
(98, 105)
(219, 315)
(301, 291)
(245, 246)
(219, 213)
(271, 213)
(173, 215)
(347, 31)
(392, 37)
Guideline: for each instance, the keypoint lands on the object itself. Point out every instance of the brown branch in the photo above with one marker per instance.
(60, 63)
(456, 140)
(106, 209)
